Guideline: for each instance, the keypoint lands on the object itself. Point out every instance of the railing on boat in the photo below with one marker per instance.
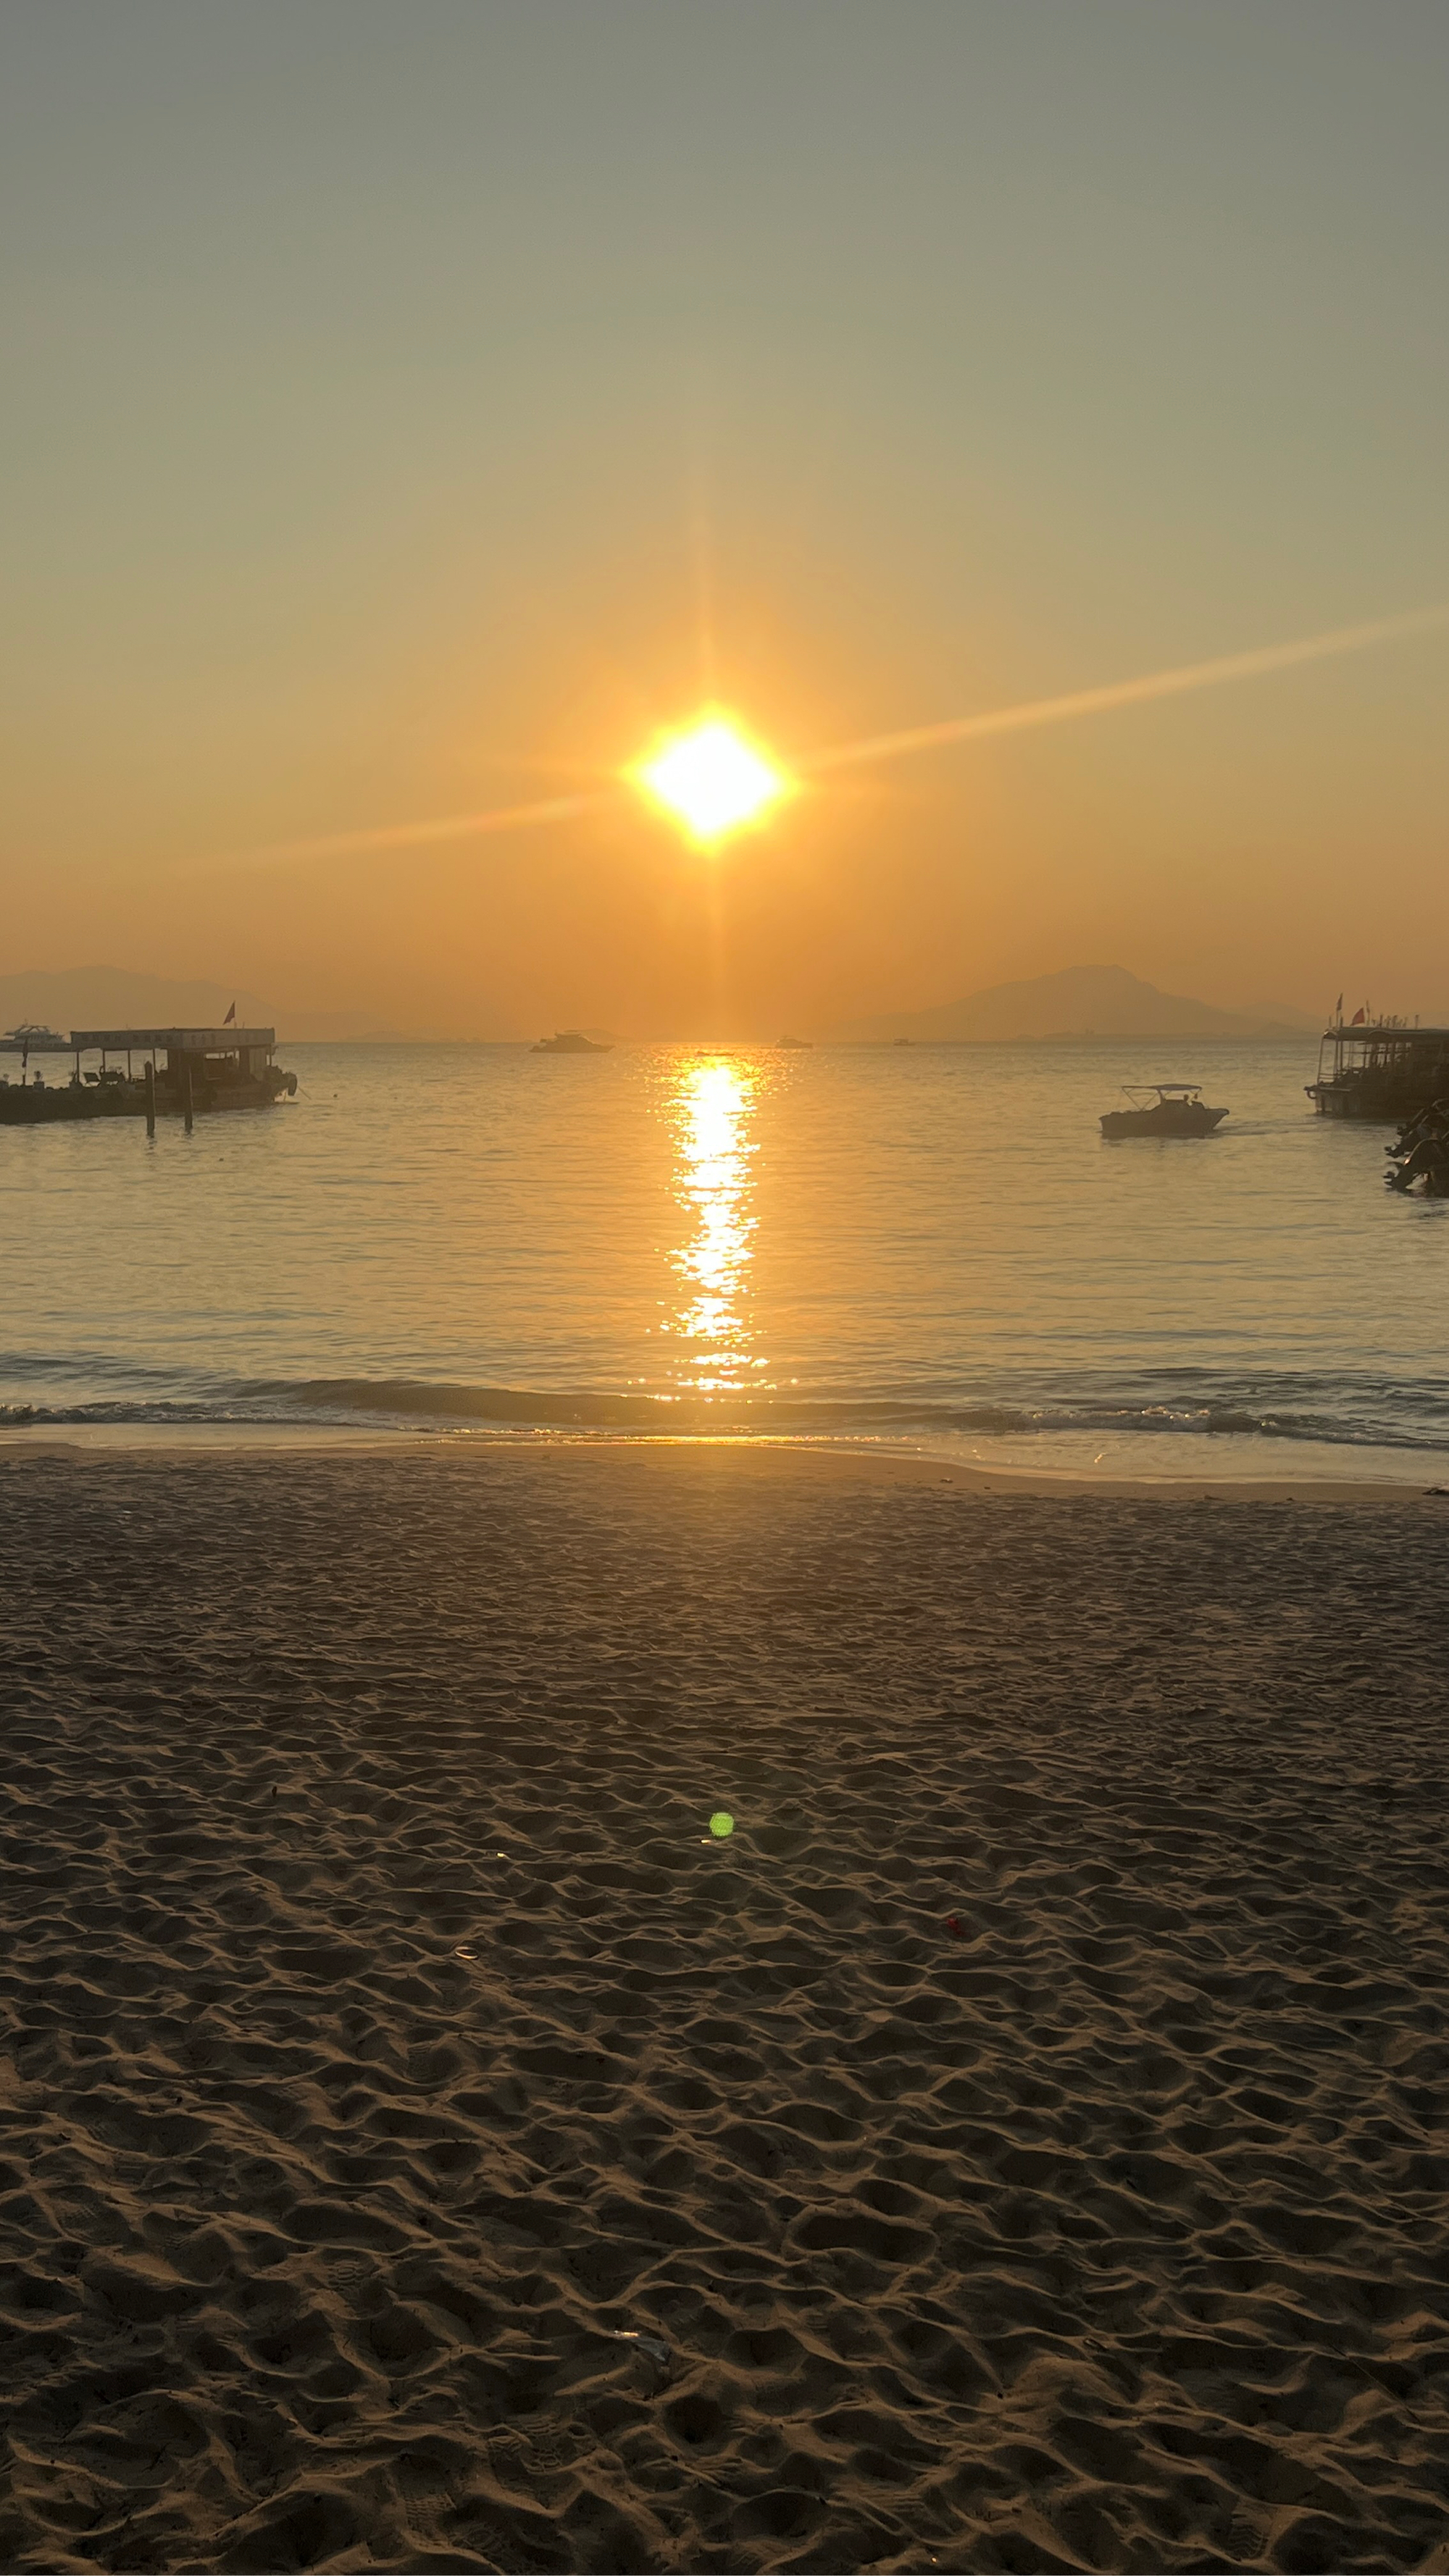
(1381, 1069)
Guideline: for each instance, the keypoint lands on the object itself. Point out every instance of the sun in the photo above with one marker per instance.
(711, 778)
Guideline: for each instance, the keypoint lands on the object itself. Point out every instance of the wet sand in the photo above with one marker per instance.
(384, 2036)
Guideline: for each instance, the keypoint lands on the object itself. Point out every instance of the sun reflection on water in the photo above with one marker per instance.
(711, 1108)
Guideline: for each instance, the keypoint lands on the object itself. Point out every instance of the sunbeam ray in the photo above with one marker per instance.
(443, 827)
(1176, 682)
(1124, 693)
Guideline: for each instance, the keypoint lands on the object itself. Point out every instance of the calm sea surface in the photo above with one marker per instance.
(923, 1245)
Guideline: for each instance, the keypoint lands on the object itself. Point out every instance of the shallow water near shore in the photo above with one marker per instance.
(924, 1246)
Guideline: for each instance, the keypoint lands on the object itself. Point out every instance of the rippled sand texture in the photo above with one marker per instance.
(1107, 2234)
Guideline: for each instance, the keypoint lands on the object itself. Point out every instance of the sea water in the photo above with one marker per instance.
(923, 1246)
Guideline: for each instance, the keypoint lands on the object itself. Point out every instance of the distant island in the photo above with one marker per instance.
(1078, 1002)
(99, 997)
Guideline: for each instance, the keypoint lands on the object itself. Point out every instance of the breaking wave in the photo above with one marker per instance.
(1366, 1414)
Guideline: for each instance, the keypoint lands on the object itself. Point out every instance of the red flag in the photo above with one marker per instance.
(231, 1015)
(1359, 1017)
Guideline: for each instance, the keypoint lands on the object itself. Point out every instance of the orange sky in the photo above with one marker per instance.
(371, 395)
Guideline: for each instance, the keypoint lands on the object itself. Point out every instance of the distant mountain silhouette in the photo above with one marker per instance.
(106, 997)
(1080, 1001)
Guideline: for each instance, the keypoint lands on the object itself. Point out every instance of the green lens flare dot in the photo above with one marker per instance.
(721, 1823)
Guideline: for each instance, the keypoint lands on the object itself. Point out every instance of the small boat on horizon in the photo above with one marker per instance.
(570, 1042)
(1163, 1109)
(797, 1042)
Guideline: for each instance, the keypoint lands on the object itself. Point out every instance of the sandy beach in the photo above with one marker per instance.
(1019, 2144)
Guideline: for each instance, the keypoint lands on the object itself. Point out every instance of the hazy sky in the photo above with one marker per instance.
(373, 370)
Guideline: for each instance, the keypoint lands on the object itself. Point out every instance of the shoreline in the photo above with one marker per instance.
(760, 1454)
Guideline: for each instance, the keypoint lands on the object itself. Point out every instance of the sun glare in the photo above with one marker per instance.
(711, 1106)
(711, 779)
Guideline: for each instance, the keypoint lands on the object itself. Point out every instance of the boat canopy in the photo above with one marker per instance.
(178, 1041)
(1397, 1033)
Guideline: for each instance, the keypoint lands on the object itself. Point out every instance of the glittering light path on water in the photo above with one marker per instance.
(711, 1110)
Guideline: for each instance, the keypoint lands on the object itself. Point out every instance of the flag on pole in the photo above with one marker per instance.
(1359, 1017)
(1338, 1011)
(231, 1015)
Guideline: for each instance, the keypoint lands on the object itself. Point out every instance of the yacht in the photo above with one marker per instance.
(1163, 1109)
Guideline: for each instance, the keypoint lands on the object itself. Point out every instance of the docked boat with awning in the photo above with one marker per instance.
(1387, 1070)
(142, 1073)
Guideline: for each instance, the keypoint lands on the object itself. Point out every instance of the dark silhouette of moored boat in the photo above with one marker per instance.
(1382, 1069)
(570, 1042)
(168, 1073)
(1163, 1109)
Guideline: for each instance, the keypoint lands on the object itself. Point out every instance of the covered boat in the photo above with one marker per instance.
(1163, 1109)
(168, 1073)
(1380, 1069)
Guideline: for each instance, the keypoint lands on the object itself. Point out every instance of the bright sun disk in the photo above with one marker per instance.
(711, 779)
